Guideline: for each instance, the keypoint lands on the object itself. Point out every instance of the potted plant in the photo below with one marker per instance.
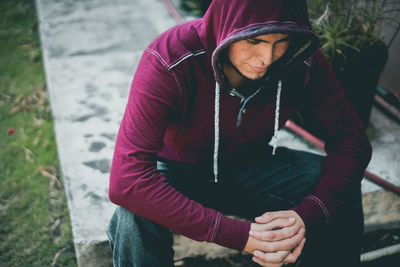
(198, 6)
(352, 39)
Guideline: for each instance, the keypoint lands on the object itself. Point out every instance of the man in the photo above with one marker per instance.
(206, 98)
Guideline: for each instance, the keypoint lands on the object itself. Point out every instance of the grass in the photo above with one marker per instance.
(34, 224)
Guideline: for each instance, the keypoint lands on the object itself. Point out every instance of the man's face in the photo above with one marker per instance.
(252, 57)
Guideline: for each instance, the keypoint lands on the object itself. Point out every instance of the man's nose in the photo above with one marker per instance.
(266, 55)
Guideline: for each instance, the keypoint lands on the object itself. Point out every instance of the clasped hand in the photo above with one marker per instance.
(276, 238)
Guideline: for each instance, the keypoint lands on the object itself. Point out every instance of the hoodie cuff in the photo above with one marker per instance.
(312, 211)
(232, 233)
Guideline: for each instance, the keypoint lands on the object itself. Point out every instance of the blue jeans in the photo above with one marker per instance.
(247, 189)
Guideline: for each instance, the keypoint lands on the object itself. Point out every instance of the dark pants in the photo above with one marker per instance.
(247, 189)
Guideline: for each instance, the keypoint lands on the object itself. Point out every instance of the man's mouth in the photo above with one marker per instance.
(258, 69)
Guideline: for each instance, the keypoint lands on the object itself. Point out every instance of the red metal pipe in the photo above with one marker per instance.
(173, 11)
(320, 144)
(382, 182)
(389, 108)
(300, 131)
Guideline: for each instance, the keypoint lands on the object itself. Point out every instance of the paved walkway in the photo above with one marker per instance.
(91, 49)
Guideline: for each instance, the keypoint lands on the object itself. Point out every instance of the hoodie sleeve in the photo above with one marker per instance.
(135, 183)
(347, 146)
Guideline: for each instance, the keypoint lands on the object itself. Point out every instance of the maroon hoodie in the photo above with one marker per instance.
(180, 108)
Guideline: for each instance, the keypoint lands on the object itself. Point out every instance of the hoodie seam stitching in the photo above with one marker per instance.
(158, 56)
(322, 206)
(165, 65)
(183, 58)
(215, 230)
(177, 81)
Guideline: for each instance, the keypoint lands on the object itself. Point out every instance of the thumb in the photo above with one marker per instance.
(272, 215)
(267, 217)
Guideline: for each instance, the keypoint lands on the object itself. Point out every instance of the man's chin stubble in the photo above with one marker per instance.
(255, 80)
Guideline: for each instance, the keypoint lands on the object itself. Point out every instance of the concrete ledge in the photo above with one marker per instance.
(94, 254)
(381, 210)
(91, 49)
(185, 247)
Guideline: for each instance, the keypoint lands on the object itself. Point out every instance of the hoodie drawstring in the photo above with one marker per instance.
(216, 131)
(277, 107)
(216, 125)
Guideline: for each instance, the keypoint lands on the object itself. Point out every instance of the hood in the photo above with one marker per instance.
(229, 21)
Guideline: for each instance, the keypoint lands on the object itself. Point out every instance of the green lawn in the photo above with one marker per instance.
(34, 223)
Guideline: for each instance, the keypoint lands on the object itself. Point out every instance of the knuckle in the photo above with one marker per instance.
(257, 234)
(303, 234)
(270, 235)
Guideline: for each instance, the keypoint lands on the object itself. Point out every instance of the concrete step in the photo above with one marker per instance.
(91, 49)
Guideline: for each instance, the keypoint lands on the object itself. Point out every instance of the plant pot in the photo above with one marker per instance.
(359, 77)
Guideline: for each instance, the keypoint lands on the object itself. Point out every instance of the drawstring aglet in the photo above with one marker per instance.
(273, 151)
(215, 178)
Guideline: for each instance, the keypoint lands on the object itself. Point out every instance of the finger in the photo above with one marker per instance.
(275, 235)
(266, 264)
(292, 257)
(272, 257)
(270, 216)
(280, 222)
(286, 244)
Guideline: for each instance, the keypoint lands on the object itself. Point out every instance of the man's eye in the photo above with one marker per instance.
(252, 41)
